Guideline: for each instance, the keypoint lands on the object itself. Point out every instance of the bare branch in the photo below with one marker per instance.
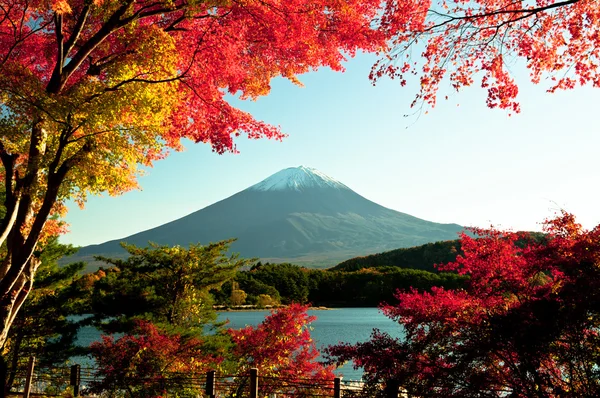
(527, 12)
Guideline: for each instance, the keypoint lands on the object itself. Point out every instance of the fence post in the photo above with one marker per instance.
(337, 387)
(392, 388)
(210, 383)
(74, 379)
(254, 383)
(29, 378)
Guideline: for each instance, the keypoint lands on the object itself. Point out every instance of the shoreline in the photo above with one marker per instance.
(268, 308)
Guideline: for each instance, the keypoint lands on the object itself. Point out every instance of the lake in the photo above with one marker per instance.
(349, 325)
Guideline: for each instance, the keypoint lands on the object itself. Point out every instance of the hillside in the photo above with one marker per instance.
(422, 257)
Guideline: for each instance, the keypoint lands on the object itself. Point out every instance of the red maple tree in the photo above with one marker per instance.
(149, 362)
(282, 350)
(525, 325)
(465, 42)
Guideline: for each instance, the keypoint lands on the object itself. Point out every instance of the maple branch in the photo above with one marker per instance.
(439, 14)
(9, 220)
(25, 288)
(96, 67)
(54, 182)
(60, 56)
(22, 39)
(33, 162)
(136, 79)
(6, 13)
(96, 133)
(77, 29)
(62, 143)
(173, 26)
(23, 210)
(34, 103)
(114, 23)
(526, 11)
(147, 6)
(8, 161)
(192, 60)
(11, 200)
(23, 17)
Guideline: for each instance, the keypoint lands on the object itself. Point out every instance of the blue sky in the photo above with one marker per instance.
(462, 162)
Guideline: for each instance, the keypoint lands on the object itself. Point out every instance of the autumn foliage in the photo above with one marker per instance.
(525, 325)
(149, 362)
(281, 346)
(484, 42)
(91, 90)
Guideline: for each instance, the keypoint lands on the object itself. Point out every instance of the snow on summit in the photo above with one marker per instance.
(297, 178)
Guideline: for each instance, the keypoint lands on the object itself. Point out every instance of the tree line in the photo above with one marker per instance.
(288, 283)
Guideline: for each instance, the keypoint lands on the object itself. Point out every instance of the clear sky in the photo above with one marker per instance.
(461, 162)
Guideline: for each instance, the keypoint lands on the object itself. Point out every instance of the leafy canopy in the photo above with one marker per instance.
(91, 90)
(150, 362)
(113, 83)
(158, 299)
(280, 346)
(165, 285)
(465, 42)
(525, 325)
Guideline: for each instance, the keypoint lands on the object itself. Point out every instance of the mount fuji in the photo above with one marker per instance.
(298, 215)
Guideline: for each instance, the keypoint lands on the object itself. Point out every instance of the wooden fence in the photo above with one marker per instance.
(77, 381)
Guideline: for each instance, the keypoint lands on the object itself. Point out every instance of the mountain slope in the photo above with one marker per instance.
(297, 214)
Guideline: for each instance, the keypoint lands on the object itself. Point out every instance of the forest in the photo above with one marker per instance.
(288, 283)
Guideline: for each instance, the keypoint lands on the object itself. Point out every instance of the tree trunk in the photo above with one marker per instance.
(19, 265)
(3, 374)
(14, 363)
(12, 300)
(29, 202)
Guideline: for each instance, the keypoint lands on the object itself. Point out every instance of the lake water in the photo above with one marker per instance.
(349, 325)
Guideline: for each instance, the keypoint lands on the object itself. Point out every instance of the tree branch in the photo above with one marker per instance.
(77, 29)
(526, 11)
(60, 56)
(57, 82)
(114, 23)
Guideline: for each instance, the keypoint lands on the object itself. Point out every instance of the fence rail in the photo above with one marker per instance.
(77, 381)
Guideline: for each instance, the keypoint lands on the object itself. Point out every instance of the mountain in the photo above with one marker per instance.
(299, 215)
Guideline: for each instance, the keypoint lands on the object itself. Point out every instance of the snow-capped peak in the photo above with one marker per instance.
(298, 179)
